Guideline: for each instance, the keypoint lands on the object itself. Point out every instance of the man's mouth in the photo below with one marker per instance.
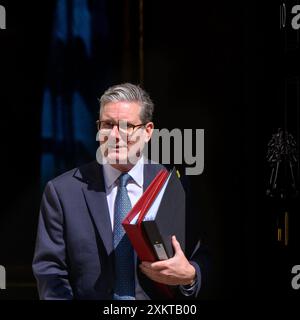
(116, 147)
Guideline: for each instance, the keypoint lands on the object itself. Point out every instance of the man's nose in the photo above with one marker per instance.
(115, 132)
(118, 134)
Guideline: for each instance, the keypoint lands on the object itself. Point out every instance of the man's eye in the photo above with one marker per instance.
(108, 125)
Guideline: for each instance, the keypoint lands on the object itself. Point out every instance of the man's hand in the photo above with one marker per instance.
(174, 271)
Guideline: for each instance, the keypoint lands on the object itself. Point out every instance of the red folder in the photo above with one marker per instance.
(135, 232)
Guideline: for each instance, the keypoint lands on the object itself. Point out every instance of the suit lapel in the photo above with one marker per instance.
(95, 197)
(150, 171)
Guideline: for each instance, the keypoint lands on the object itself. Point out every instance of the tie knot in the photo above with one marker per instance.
(124, 178)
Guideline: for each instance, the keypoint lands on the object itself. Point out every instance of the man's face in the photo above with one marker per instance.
(118, 147)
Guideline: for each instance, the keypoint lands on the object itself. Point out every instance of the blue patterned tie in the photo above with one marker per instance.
(124, 288)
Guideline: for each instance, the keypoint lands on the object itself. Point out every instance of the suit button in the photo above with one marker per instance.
(109, 290)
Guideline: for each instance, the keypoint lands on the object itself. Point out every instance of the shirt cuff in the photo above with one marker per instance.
(191, 289)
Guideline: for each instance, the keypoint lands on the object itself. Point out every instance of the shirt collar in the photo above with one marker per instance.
(112, 174)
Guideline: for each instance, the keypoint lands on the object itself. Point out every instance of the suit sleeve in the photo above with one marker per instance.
(49, 263)
(197, 253)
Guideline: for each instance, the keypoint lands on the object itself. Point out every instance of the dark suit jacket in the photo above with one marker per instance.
(74, 250)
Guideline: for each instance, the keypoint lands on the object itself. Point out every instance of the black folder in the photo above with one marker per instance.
(169, 220)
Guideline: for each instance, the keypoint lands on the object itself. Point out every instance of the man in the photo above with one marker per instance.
(82, 251)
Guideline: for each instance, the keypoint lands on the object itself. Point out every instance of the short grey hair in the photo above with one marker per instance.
(130, 93)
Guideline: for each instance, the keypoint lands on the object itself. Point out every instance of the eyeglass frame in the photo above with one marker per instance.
(98, 123)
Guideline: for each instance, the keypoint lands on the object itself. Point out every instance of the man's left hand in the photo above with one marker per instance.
(174, 271)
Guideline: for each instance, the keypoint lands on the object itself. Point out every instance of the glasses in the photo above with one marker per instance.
(123, 127)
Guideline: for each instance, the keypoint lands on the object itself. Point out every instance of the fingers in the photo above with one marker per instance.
(157, 266)
(176, 246)
(158, 276)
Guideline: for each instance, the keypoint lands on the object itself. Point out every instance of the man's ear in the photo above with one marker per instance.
(149, 131)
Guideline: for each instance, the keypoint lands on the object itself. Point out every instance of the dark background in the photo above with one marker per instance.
(216, 66)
